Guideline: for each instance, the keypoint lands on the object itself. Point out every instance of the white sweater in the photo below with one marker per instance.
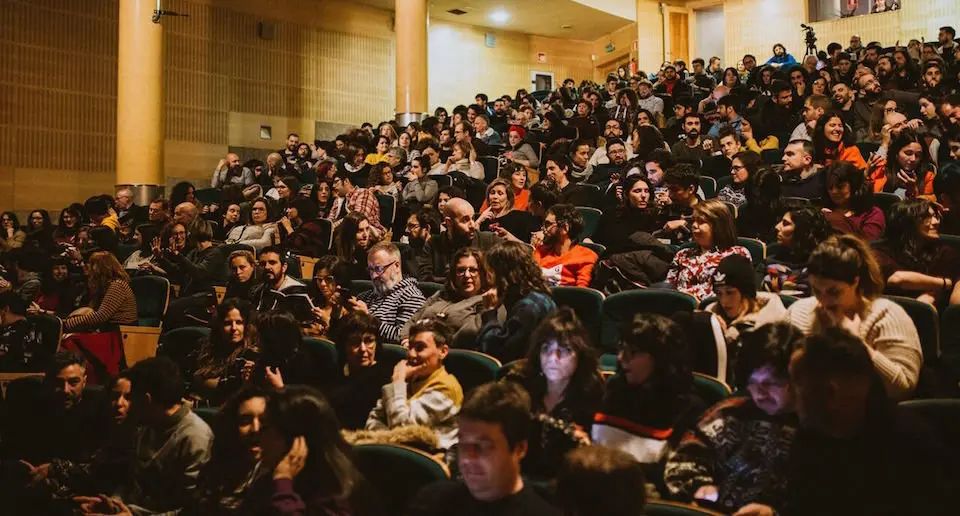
(890, 336)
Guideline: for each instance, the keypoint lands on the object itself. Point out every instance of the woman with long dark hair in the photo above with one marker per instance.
(182, 192)
(322, 196)
(560, 374)
(231, 331)
(259, 229)
(848, 202)
(313, 468)
(58, 293)
(11, 235)
(350, 243)
(799, 231)
(651, 403)
(913, 259)
(832, 143)
(520, 288)
(235, 457)
(282, 360)
(646, 139)
(635, 212)
(731, 78)
(67, 226)
(756, 137)
(331, 281)
(908, 169)
(40, 231)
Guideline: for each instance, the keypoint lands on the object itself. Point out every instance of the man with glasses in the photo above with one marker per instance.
(393, 299)
(562, 261)
(419, 259)
(612, 130)
(127, 211)
(871, 92)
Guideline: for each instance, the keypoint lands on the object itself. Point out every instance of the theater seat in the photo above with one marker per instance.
(587, 303)
(388, 209)
(207, 195)
(324, 355)
(623, 306)
(885, 201)
(942, 414)
(397, 473)
(429, 288)
(472, 368)
(591, 219)
(711, 389)
(709, 187)
(491, 168)
(600, 249)
(927, 321)
(207, 414)
(665, 508)
(392, 353)
(758, 250)
(153, 295)
(950, 339)
(182, 345)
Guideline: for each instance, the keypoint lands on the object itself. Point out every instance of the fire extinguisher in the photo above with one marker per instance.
(852, 5)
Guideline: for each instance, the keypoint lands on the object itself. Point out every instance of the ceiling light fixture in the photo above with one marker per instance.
(499, 16)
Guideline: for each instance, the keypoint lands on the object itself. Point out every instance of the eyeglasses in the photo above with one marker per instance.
(547, 224)
(463, 271)
(380, 269)
(411, 227)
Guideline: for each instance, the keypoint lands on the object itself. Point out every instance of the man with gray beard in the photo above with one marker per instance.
(393, 299)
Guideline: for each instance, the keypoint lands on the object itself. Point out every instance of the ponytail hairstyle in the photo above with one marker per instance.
(847, 258)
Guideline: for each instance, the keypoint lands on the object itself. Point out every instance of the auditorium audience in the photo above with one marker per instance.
(846, 282)
(259, 230)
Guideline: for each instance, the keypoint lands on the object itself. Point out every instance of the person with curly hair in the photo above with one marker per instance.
(520, 288)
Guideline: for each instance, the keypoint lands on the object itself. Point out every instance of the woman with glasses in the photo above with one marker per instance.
(361, 373)
(743, 168)
(328, 291)
(11, 236)
(259, 231)
(460, 303)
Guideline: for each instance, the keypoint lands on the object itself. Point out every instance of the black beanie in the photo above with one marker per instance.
(737, 272)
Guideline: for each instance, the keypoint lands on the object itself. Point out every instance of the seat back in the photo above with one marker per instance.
(621, 306)
(152, 294)
(472, 368)
(207, 414)
(711, 389)
(591, 219)
(758, 250)
(587, 303)
(360, 285)
(950, 338)
(600, 249)
(491, 168)
(927, 321)
(397, 473)
(885, 201)
(324, 355)
(388, 209)
(182, 345)
(942, 414)
(293, 266)
(392, 353)
(726, 180)
(709, 187)
(429, 288)
(665, 508)
(51, 331)
(124, 251)
(207, 195)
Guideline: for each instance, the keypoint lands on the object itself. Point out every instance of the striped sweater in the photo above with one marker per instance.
(890, 336)
(394, 307)
(118, 306)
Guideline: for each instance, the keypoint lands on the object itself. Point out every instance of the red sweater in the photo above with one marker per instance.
(572, 269)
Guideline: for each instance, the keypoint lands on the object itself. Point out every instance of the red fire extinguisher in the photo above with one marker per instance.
(852, 5)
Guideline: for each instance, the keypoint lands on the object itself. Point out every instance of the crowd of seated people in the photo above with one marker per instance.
(809, 209)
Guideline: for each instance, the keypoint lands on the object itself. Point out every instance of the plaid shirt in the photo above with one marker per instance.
(362, 200)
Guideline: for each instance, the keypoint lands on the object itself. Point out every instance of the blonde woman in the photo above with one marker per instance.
(500, 216)
(464, 159)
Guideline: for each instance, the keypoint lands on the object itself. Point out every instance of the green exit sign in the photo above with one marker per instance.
(609, 48)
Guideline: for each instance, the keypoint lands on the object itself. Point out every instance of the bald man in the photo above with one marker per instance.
(462, 231)
(128, 213)
(230, 171)
(186, 213)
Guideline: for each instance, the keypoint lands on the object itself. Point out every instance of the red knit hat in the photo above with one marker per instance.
(519, 130)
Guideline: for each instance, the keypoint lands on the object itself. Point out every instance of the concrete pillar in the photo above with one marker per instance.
(411, 29)
(140, 101)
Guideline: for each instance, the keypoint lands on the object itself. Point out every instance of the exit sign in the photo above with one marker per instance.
(609, 48)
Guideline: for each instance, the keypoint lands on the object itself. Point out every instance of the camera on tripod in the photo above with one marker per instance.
(810, 37)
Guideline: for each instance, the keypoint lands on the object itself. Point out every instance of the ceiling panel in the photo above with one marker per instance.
(539, 17)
